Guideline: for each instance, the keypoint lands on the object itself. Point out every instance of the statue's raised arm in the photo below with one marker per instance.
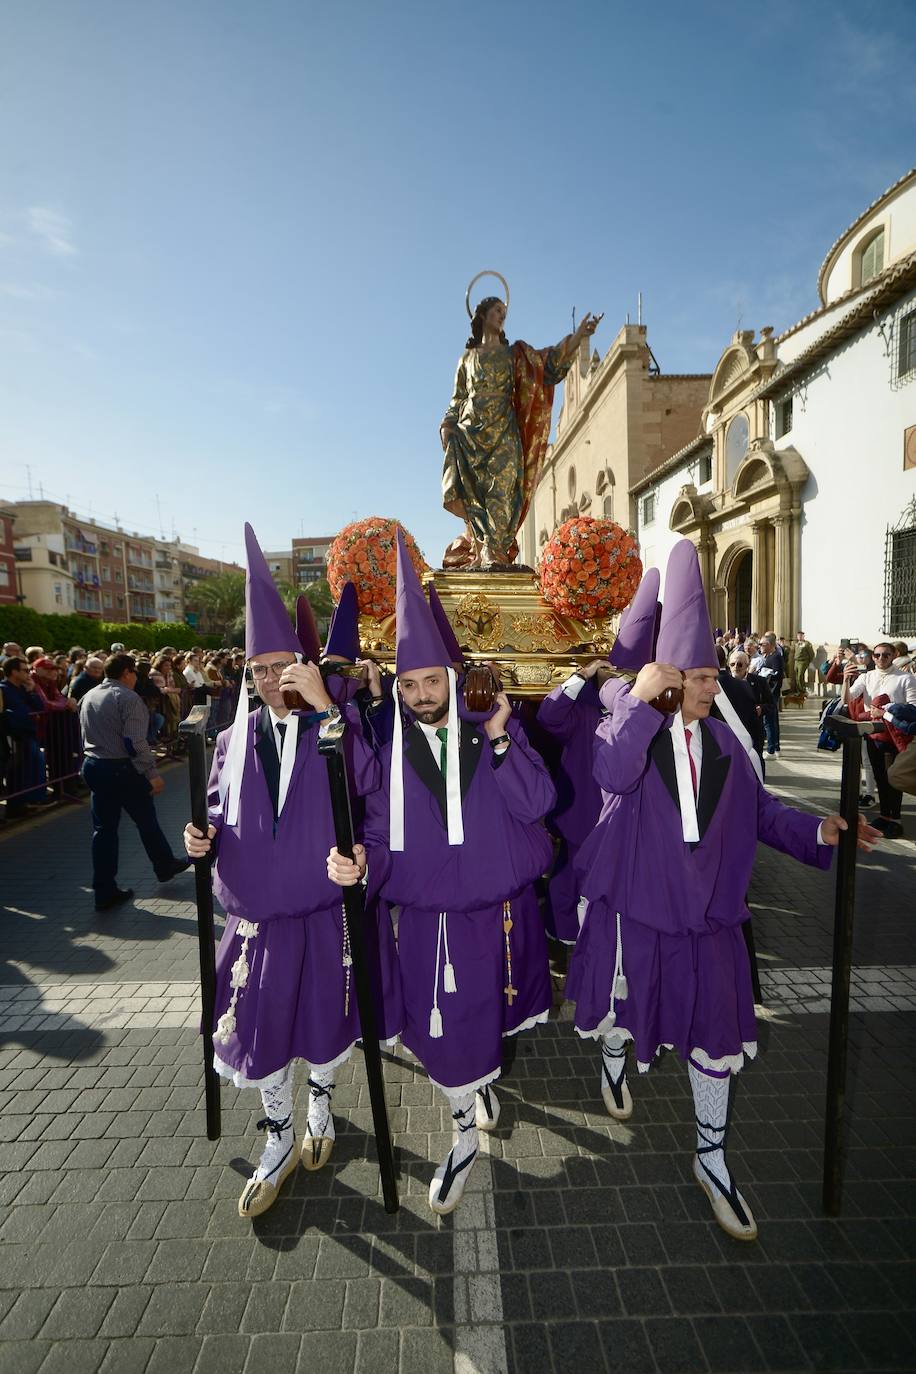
(495, 431)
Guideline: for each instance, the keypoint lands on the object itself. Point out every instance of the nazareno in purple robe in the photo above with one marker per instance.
(272, 870)
(506, 848)
(572, 721)
(680, 905)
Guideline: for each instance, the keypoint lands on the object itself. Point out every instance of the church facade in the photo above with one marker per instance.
(799, 489)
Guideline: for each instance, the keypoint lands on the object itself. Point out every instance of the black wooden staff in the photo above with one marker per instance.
(331, 746)
(193, 730)
(850, 733)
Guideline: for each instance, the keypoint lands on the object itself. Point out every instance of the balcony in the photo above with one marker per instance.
(139, 585)
(138, 559)
(77, 544)
(163, 562)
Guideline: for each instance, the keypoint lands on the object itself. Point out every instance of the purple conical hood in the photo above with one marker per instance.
(343, 631)
(445, 627)
(307, 630)
(685, 635)
(268, 629)
(419, 643)
(635, 642)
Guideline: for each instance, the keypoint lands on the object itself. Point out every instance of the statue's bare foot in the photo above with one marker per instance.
(493, 559)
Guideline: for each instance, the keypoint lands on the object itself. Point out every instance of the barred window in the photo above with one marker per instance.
(900, 575)
(906, 348)
(783, 410)
(648, 509)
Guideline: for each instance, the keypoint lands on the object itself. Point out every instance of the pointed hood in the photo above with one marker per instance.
(635, 643)
(685, 635)
(267, 624)
(452, 647)
(419, 643)
(267, 631)
(343, 631)
(307, 630)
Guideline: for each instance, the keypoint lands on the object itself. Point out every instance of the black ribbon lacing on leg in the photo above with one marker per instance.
(731, 1192)
(616, 1087)
(269, 1123)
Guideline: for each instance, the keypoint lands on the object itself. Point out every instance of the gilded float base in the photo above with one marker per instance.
(501, 618)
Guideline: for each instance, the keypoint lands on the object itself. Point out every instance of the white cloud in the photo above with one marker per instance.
(53, 229)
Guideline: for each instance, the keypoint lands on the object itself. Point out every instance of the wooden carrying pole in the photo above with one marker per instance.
(193, 731)
(331, 746)
(850, 733)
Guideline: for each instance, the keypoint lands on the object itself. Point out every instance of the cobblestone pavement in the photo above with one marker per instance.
(581, 1241)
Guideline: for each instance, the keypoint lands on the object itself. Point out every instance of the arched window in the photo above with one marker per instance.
(609, 505)
(572, 483)
(869, 257)
(735, 446)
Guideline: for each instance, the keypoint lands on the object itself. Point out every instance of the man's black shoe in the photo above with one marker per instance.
(178, 866)
(121, 895)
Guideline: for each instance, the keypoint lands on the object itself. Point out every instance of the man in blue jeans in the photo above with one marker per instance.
(120, 771)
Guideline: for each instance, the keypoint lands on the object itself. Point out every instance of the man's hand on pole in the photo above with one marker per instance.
(347, 872)
(196, 844)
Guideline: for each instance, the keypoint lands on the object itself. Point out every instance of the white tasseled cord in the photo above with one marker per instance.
(435, 1015)
(448, 973)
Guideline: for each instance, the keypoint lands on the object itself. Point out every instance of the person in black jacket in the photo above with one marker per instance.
(736, 686)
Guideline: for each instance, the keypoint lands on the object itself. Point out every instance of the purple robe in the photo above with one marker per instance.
(272, 870)
(572, 721)
(681, 904)
(506, 848)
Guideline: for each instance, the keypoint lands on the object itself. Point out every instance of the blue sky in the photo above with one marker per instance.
(235, 237)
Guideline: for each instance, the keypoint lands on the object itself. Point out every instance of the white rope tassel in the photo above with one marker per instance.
(238, 979)
(396, 781)
(448, 973)
(453, 766)
(621, 990)
(435, 1015)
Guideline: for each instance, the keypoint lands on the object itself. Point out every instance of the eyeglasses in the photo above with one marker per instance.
(884, 653)
(260, 670)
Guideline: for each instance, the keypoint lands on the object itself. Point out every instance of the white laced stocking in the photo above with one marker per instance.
(467, 1140)
(277, 1099)
(614, 1057)
(321, 1086)
(710, 1105)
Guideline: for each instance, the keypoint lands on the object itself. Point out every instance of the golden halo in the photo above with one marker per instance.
(487, 272)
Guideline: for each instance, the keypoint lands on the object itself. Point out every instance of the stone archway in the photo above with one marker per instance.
(736, 581)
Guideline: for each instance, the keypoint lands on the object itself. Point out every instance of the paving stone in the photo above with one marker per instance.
(127, 1356)
(175, 1355)
(223, 1354)
(77, 1313)
(429, 1351)
(276, 1351)
(315, 1306)
(173, 1310)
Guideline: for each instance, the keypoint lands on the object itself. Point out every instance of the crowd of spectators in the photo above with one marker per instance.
(876, 683)
(40, 693)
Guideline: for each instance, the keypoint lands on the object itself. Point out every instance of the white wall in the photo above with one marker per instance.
(848, 423)
(658, 539)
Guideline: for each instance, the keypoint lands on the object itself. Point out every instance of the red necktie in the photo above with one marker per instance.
(693, 767)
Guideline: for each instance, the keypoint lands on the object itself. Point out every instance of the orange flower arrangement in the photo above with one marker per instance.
(365, 553)
(590, 568)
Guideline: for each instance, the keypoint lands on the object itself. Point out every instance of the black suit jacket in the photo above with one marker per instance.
(266, 747)
(472, 741)
(741, 696)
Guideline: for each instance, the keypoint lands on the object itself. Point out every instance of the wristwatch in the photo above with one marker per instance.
(331, 712)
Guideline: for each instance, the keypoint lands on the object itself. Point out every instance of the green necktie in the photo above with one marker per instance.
(442, 737)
